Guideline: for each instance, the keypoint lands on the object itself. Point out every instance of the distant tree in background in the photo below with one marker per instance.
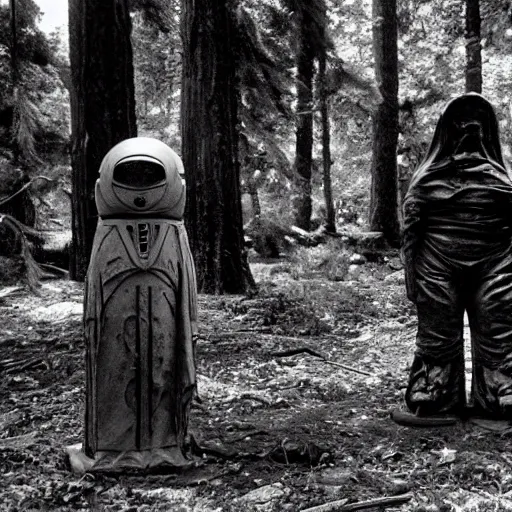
(209, 121)
(383, 201)
(29, 96)
(157, 53)
(306, 54)
(473, 47)
(323, 94)
(28, 46)
(102, 106)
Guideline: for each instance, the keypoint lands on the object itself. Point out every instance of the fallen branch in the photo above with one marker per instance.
(343, 506)
(231, 334)
(10, 291)
(49, 180)
(55, 269)
(18, 442)
(327, 507)
(300, 339)
(12, 366)
(312, 352)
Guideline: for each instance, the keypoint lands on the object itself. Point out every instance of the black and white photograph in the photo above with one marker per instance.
(256, 255)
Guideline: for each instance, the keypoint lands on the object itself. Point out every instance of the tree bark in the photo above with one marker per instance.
(383, 205)
(102, 107)
(209, 119)
(22, 207)
(330, 217)
(14, 46)
(306, 54)
(252, 189)
(473, 48)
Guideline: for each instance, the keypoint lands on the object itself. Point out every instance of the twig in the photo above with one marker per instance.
(310, 351)
(3, 201)
(264, 330)
(6, 292)
(232, 334)
(283, 447)
(299, 350)
(21, 441)
(206, 479)
(343, 506)
(327, 507)
(58, 270)
(287, 338)
(386, 501)
(250, 433)
(19, 366)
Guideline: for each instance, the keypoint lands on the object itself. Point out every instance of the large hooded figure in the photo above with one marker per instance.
(457, 252)
(140, 312)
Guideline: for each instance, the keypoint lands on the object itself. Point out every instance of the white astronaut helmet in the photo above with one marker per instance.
(141, 177)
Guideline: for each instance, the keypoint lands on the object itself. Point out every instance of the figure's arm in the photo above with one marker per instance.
(410, 240)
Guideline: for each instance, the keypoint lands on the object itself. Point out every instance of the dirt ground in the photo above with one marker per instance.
(274, 432)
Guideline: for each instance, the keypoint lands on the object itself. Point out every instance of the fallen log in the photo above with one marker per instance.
(343, 506)
(269, 238)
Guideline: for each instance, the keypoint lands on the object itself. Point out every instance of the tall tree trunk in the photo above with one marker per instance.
(383, 207)
(14, 47)
(330, 217)
(306, 54)
(209, 120)
(473, 48)
(22, 206)
(102, 107)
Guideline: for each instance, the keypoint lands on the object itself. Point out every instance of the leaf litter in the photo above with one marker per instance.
(271, 433)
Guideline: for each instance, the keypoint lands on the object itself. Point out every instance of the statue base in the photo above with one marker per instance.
(161, 460)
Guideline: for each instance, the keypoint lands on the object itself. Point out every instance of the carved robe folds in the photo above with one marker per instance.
(140, 313)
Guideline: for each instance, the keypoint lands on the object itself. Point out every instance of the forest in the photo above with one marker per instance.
(299, 123)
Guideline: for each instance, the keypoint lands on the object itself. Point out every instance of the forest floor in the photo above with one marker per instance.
(279, 433)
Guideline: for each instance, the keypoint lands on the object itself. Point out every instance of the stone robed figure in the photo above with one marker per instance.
(457, 250)
(140, 312)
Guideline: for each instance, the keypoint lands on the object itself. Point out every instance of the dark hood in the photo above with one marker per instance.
(446, 141)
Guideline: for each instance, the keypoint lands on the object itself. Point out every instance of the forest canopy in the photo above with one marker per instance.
(285, 179)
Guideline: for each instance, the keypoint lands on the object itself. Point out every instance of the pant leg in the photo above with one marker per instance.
(436, 382)
(490, 315)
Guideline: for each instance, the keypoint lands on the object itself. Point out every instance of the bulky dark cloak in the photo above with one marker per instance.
(480, 176)
(430, 180)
